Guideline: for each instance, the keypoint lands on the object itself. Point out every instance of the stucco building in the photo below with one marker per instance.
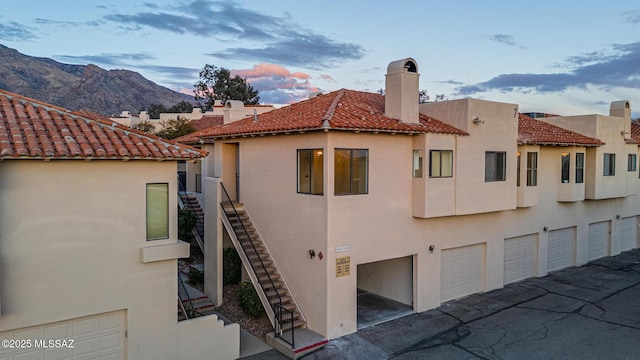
(351, 192)
(88, 241)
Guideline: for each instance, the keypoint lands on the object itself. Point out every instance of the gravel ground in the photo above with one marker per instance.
(231, 308)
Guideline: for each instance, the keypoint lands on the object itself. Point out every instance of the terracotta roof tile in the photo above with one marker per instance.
(635, 133)
(338, 110)
(536, 132)
(207, 121)
(30, 129)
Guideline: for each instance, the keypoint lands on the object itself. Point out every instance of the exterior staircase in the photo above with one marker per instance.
(191, 203)
(261, 264)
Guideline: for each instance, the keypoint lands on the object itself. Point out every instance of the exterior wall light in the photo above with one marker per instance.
(545, 229)
(431, 248)
(312, 254)
(618, 216)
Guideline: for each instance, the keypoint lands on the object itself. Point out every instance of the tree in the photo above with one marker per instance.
(174, 128)
(217, 84)
(155, 110)
(181, 107)
(144, 125)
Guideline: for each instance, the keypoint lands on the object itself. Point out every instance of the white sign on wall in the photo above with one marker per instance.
(343, 248)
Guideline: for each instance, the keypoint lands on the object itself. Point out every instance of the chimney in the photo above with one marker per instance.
(401, 98)
(621, 108)
(233, 110)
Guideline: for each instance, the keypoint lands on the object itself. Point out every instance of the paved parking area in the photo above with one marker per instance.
(588, 312)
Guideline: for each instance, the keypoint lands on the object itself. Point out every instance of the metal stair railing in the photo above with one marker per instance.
(183, 297)
(282, 315)
(182, 203)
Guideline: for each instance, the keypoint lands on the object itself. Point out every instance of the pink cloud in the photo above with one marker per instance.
(264, 69)
(276, 84)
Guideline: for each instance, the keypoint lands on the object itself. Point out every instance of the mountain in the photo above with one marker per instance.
(81, 87)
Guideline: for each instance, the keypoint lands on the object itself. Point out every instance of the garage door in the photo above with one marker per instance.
(95, 337)
(598, 240)
(520, 258)
(561, 248)
(462, 272)
(628, 233)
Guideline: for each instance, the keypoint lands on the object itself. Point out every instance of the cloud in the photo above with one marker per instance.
(265, 69)
(505, 39)
(277, 39)
(276, 84)
(108, 59)
(92, 23)
(14, 31)
(632, 16)
(172, 72)
(328, 78)
(620, 68)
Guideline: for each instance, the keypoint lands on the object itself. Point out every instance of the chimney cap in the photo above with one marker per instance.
(403, 65)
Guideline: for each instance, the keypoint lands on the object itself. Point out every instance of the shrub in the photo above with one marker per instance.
(196, 277)
(186, 223)
(231, 266)
(249, 300)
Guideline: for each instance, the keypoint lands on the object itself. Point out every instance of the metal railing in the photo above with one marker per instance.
(184, 300)
(284, 320)
(183, 204)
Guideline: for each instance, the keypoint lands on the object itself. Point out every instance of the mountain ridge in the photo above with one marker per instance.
(81, 87)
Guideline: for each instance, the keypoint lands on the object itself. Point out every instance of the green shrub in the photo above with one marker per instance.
(186, 223)
(231, 266)
(249, 299)
(196, 277)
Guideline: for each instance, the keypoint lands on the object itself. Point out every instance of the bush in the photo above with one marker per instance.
(231, 266)
(196, 277)
(249, 300)
(186, 223)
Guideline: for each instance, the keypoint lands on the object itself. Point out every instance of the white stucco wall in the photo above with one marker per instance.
(73, 234)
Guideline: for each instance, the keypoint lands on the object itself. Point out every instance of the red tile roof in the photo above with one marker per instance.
(536, 132)
(207, 121)
(30, 129)
(338, 110)
(635, 133)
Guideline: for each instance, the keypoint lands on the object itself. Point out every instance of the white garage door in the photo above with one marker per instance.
(95, 337)
(598, 240)
(520, 258)
(462, 272)
(628, 233)
(561, 248)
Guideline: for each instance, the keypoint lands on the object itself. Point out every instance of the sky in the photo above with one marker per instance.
(562, 57)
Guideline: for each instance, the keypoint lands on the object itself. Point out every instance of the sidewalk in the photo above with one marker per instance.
(588, 312)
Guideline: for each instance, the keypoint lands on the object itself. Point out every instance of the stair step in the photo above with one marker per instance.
(265, 278)
(296, 324)
(274, 299)
(273, 283)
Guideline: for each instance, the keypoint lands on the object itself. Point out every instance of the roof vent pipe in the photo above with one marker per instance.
(255, 115)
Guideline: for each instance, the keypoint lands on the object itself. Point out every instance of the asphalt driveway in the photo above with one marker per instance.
(588, 312)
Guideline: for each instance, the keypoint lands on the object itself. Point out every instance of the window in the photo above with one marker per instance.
(579, 168)
(441, 163)
(351, 171)
(310, 171)
(495, 166)
(417, 163)
(518, 156)
(566, 164)
(532, 169)
(609, 165)
(631, 162)
(157, 211)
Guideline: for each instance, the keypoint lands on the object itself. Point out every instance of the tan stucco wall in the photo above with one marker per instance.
(611, 130)
(496, 130)
(380, 225)
(291, 224)
(72, 238)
